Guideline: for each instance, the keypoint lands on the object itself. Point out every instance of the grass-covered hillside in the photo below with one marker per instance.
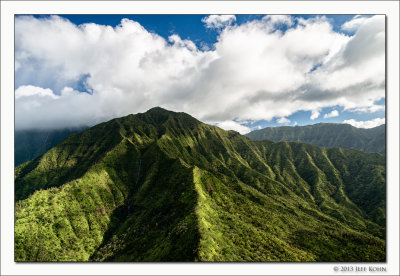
(162, 186)
(327, 135)
(29, 144)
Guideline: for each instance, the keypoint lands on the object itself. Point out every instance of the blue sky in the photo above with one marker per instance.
(204, 65)
(302, 118)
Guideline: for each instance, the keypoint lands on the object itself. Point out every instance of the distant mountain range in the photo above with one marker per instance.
(163, 186)
(29, 144)
(327, 135)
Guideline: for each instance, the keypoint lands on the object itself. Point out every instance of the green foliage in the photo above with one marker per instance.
(65, 223)
(327, 135)
(162, 186)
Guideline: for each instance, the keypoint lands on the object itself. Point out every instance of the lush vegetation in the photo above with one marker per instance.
(29, 144)
(327, 135)
(162, 186)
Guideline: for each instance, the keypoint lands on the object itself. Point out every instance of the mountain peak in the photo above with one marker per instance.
(158, 109)
(158, 116)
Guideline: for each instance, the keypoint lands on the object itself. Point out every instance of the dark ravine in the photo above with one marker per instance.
(327, 135)
(163, 186)
(30, 144)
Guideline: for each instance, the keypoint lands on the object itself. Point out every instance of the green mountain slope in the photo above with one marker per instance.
(327, 135)
(162, 186)
(29, 144)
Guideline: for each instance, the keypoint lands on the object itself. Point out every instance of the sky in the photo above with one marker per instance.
(240, 72)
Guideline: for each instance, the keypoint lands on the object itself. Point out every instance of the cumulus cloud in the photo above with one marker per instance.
(218, 21)
(314, 114)
(90, 73)
(232, 125)
(365, 124)
(333, 113)
(283, 120)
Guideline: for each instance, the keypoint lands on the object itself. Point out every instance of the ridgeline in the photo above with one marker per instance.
(327, 135)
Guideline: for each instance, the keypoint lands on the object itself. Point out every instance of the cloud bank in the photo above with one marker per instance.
(69, 75)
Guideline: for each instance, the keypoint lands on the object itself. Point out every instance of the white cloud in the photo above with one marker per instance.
(33, 91)
(359, 63)
(283, 120)
(365, 124)
(218, 21)
(253, 72)
(333, 113)
(368, 109)
(177, 41)
(278, 19)
(41, 108)
(353, 24)
(232, 125)
(314, 114)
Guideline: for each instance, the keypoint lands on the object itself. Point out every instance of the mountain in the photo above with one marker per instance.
(163, 186)
(327, 135)
(29, 144)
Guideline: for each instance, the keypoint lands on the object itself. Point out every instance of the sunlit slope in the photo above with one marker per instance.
(327, 135)
(162, 186)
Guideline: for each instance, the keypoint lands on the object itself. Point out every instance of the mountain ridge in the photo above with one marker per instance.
(327, 135)
(163, 186)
